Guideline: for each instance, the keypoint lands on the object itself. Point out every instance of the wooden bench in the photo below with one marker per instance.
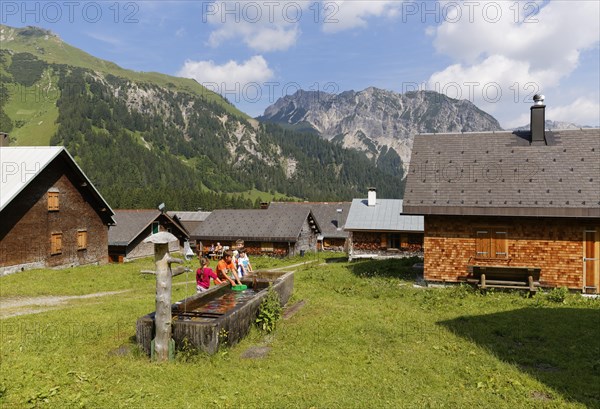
(506, 277)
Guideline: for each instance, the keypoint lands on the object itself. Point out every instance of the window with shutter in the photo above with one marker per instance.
(491, 243)
(56, 243)
(53, 201)
(499, 243)
(394, 241)
(82, 240)
(482, 241)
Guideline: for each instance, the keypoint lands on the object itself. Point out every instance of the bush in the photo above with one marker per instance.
(269, 311)
(558, 295)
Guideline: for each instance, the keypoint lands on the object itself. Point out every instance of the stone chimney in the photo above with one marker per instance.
(538, 121)
(372, 197)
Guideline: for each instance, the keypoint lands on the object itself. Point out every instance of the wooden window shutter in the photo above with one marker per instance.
(56, 243)
(81, 240)
(52, 201)
(499, 244)
(482, 243)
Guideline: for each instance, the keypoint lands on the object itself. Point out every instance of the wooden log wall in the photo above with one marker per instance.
(554, 245)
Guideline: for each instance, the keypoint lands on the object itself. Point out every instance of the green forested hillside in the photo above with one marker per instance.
(142, 143)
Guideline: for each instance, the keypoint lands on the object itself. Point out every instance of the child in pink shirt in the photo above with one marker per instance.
(203, 276)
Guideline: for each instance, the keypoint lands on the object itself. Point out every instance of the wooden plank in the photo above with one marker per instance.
(491, 282)
(514, 287)
(484, 267)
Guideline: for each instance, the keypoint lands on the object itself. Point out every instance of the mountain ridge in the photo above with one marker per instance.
(141, 141)
(48, 46)
(376, 121)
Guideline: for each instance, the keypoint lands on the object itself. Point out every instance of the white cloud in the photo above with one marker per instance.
(348, 14)
(582, 111)
(263, 38)
(262, 26)
(550, 39)
(230, 77)
(519, 56)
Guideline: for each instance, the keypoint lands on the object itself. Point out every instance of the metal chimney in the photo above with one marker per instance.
(372, 197)
(538, 121)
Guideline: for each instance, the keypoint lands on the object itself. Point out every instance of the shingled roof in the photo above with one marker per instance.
(132, 222)
(189, 220)
(330, 219)
(277, 224)
(386, 215)
(502, 174)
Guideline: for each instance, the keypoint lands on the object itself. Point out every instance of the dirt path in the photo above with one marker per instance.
(14, 306)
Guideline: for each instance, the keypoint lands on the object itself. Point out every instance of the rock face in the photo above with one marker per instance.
(374, 120)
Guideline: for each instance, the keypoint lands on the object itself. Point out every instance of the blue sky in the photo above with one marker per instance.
(496, 54)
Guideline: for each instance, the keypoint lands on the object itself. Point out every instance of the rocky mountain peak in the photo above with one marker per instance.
(375, 120)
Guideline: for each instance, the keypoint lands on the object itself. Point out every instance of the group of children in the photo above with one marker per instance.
(231, 267)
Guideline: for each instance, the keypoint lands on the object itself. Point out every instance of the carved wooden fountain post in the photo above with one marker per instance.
(163, 344)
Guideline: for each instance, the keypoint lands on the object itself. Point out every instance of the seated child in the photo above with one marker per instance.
(203, 276)
(244, 263)
(236, 263)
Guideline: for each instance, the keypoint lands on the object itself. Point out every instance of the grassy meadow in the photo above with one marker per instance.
(366, 338)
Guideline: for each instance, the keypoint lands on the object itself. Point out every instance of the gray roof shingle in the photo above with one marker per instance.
(386, 215)
(329, 219)
(277, 224)
(132, 222)
(502, 174)
(189, 220)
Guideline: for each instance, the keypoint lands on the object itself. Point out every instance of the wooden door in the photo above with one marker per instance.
(590, 260)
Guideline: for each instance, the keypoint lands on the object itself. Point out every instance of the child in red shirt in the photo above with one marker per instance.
(203, 276)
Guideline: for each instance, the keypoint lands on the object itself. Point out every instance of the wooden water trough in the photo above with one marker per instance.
(219, 315)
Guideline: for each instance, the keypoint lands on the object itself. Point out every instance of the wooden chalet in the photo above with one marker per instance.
(126, 239)
(331, 218)
(378, 229)
(509, 201)
(52, 216)
(278, 231)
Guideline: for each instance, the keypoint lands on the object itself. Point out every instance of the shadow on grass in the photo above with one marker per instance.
(390, 268)
(336, 260)
(558, 346)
